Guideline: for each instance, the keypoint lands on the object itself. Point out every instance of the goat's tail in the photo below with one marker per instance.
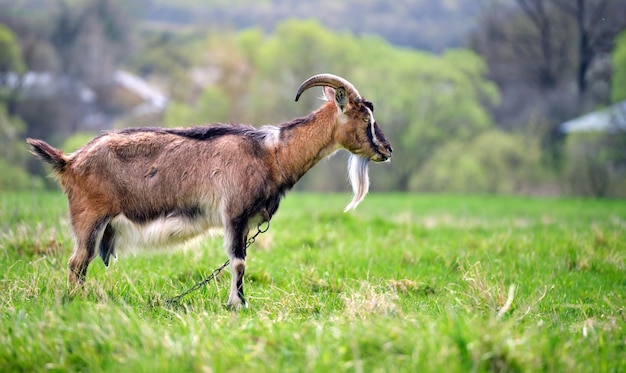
(49, 154)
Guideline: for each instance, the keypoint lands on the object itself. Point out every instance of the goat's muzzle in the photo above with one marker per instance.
(383, 153)
(382, 146)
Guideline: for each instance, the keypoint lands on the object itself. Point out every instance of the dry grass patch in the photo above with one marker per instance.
(370, 300)
(479, 292)
(26, 241)
(410, 286)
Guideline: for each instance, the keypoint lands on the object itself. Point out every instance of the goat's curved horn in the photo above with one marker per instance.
(329, 80)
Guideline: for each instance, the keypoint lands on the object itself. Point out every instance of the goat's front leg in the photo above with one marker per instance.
(235, 240)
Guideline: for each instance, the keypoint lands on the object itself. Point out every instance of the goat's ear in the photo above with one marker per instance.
(329, 93)
(341, 99)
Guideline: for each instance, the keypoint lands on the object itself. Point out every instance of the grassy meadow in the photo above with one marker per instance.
(405, 283)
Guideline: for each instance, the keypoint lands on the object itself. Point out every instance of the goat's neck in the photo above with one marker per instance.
(304, 144)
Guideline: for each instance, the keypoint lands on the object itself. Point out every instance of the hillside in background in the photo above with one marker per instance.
(421, 24)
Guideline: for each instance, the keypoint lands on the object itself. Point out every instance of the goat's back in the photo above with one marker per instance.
(144, 173)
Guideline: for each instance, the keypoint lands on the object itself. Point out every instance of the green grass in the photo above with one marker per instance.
(404, 283)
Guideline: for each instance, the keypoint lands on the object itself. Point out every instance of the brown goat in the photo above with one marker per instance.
(153, 186)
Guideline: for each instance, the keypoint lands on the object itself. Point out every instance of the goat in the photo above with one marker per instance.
(154, 186)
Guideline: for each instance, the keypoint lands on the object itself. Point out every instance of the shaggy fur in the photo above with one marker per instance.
(155, 186)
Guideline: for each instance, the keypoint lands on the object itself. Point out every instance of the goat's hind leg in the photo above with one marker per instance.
(88, 232)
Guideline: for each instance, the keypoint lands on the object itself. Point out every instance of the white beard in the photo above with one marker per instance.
(359, 179)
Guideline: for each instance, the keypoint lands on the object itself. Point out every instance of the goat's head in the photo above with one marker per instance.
(356, 129)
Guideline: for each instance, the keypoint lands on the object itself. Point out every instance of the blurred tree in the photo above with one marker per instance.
(544, 23)
(70, 50)
(596, 164)
(428, 101)
(11, 69)
(12, 150)
(221, 54)
(10, 53)
(167, 58)
(11, 131)
(213, 84)
(91, 40)
(537, 49)
(32, 25)
(13, 154)
(254, 79)
(596, 23)
(492, 162)
(295, 51)
(618, 92)
(213, 106)
(413, 91)
(76, 140)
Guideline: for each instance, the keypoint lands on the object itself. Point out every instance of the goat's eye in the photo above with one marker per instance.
(366, 120)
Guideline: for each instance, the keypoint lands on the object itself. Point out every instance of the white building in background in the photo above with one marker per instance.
(611, 119)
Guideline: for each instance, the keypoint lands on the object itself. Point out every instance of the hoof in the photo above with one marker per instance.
(236, 306)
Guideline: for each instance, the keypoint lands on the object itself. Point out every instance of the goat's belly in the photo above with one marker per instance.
(161, 232)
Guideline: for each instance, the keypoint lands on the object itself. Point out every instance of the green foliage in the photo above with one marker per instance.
(15, 177)
(594, 164)
(409, 283)
(433, 101)
(10, 52)
(13, 155)
(295, 51)
(11, 64)
(493, 162)
(11, 131)
(211, 108)
(76, 141)
(452, 170)
(423, 101)
(618, 83)
(166, 56)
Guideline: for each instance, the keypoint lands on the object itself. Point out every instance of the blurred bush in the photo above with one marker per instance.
(492, 162)
(15, 177)
(76, 141)
(595, 164)
(13, 155)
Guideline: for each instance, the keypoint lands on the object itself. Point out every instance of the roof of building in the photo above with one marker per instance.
(610, 119)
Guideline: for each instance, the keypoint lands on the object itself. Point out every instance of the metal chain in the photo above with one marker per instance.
(260, 229)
